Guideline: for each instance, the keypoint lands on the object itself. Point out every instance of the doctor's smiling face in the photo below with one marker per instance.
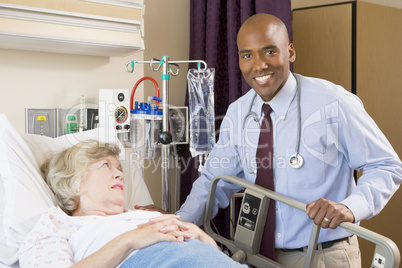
(101, 192)
(265, 54)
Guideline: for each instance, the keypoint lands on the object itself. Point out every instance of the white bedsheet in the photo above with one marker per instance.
(74, 238)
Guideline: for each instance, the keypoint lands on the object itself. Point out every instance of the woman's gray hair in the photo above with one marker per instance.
(65, 171)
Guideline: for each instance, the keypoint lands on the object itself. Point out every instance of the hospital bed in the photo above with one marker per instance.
(24, 195)
(386, 253)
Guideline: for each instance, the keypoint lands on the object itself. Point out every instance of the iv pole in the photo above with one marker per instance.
(165, 64)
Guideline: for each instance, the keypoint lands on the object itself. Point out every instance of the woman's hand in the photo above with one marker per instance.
(190, 230)
(199, 234)
(167, 227)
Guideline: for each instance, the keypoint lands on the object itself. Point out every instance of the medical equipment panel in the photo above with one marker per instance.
(59, 121)
(41, 122)
(251, 222)
(178, 123)
(114, 112)
(68, 120)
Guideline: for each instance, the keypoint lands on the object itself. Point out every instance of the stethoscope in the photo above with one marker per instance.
(295, 160)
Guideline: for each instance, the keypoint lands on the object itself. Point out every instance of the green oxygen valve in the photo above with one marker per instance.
(71, 124)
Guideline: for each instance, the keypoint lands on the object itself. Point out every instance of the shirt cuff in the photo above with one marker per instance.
(184, 216)
(358, 206)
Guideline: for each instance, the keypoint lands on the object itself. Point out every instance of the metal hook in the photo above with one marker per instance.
(132, 66)
(177, 69)
(199, 67)
(151, 63)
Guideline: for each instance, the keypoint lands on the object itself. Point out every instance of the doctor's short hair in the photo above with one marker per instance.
(65, 171)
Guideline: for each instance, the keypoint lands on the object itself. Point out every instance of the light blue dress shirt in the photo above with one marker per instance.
(337, 137)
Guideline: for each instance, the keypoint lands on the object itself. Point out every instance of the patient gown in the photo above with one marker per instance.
(59, 240)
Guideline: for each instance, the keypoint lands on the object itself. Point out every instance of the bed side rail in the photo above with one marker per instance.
(386, 249)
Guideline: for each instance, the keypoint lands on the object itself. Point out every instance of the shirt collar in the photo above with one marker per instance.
(282, 100)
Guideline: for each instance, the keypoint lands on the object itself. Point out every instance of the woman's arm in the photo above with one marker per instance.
(194, 230)
(114, 252)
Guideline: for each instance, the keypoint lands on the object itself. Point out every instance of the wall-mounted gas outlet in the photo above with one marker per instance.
(58, 122)
(68, 120)
(41, 122)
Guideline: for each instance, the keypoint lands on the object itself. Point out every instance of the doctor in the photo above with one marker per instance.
(337, 137)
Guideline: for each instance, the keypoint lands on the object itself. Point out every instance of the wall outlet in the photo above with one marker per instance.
(41, 122)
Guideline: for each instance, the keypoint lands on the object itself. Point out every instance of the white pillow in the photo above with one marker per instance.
(26, 195)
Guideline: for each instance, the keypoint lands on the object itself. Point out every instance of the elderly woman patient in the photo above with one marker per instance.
(91, 228)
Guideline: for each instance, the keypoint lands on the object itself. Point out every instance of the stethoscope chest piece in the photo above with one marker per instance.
(296, 161)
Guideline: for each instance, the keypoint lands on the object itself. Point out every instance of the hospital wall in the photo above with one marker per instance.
(30, 79)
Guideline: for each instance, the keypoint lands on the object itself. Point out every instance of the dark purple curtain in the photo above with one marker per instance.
(213, 32)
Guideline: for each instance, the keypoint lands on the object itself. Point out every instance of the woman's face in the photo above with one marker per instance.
(102, 190)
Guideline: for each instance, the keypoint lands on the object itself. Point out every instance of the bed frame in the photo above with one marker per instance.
(386, 249)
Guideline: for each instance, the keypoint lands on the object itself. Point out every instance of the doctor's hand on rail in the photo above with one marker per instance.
(329, 214)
